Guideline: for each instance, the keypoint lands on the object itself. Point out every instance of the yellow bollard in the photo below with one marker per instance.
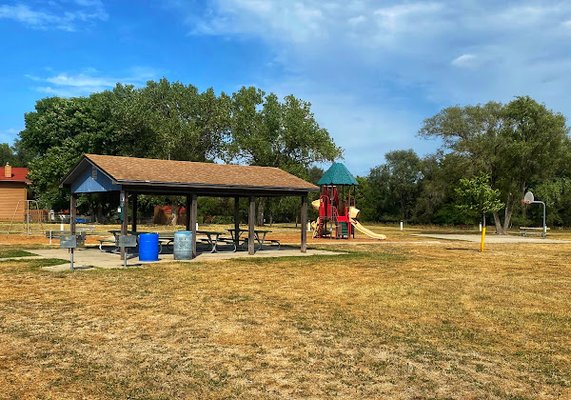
(483, 239)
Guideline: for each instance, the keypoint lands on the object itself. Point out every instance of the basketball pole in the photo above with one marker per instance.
(483, 237)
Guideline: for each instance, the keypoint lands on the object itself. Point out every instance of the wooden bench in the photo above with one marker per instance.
(533, 230)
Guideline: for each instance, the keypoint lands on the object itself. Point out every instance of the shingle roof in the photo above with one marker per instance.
(148, 171)
(337, 174)
(18, 175)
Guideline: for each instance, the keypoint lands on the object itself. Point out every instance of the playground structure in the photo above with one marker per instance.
(338, 213)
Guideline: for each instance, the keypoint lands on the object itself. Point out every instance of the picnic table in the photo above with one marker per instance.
(212, 238)
(115, 241)
(259, 236)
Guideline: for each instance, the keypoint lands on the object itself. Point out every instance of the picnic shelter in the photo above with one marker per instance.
(130, 176)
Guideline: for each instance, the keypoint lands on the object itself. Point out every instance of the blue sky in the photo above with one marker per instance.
(373, 70)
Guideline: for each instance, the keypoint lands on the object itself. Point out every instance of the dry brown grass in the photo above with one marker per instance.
(387, 321)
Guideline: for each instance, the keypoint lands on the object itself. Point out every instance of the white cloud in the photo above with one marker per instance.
(465, 60)
(89, 81)
(399, 17)
(297, 21)
(81, 81)
(358, 20)
(401, 61)
(56, 15)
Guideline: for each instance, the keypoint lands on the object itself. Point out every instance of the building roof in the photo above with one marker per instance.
(18, 175)
(337, 174)
(154, 175)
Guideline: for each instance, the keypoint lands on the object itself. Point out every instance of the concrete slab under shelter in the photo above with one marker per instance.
(94, 258)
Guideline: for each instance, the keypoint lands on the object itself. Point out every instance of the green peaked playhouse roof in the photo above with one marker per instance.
(337, 174)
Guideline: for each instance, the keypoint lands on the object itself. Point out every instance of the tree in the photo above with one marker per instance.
(393, 187)
(475, 195)
(403, 167)
(47, 171)
(518, 145)
(188, 124)
(435, 202)
(169, 120)
(55, 136)
(6, 155)
(267, 132)
(374, 199)
(556, 193)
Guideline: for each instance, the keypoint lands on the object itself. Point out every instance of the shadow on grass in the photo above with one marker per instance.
(345, 256)
(30, 265)
(463, 249)
(9, 253)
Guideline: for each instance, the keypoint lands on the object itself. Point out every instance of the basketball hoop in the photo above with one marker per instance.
(528, 198)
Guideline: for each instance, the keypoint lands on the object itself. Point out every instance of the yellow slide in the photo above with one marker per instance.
(366, 231)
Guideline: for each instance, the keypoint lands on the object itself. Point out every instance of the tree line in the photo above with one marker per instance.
(167, 120)
(518, 146)
(514, 147)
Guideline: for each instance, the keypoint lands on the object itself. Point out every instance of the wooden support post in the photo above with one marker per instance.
(187, 213)
(251, 221)
(236, 222)
(72, 212)
(193, 221)
(303, 223)
(123, 195)
(135, 205)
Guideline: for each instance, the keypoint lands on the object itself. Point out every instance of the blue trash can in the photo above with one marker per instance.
(182, 248)
(149, 247)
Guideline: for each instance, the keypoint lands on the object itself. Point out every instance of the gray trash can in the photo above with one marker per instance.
(182, 245)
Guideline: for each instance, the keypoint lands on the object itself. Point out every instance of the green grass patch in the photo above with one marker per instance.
(32, 264)
(10, 253)
(346, 255)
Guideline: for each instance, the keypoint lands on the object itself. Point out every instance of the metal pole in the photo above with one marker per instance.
(188, 212)
(72, 215)
(483, 237)
(193, 221)
(124, 223)
(28, 217)
(251, 217)
(303, 223)
(135, 206)
(544, 216)
(544, 220)
(236, 221)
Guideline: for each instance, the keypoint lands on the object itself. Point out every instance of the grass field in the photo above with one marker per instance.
(395, 320)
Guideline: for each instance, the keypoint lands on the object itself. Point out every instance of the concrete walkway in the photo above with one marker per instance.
(94, 258)
(493, 238)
